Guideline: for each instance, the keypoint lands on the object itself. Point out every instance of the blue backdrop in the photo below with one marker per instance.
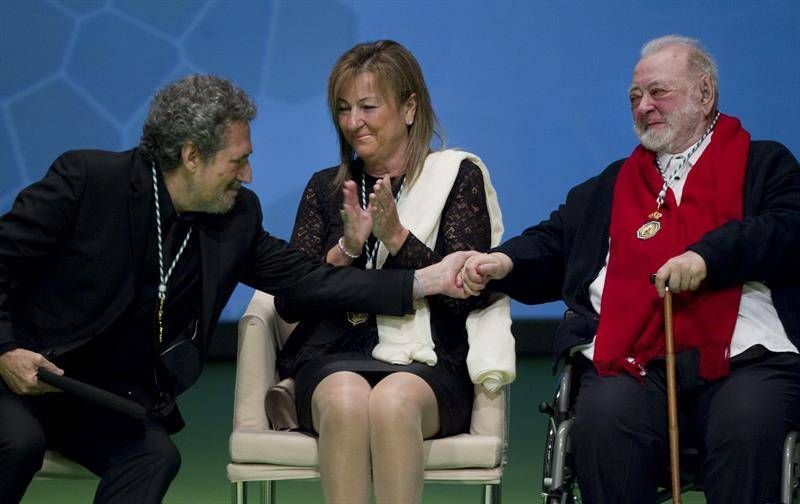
(537, 88)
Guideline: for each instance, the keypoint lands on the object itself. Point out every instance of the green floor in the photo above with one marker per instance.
(204, 446)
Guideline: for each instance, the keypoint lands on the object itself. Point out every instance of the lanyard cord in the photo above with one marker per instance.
(162, 277)
(372, 251)
(668, 179)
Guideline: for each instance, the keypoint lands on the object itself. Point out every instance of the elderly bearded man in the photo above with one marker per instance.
(114, 269)
(717, 218)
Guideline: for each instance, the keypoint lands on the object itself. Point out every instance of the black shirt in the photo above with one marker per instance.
(124, 357)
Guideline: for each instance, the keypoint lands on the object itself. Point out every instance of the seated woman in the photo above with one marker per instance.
(370, 393)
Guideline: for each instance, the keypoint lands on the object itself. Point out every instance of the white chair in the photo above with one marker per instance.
(259, 453)
(57, 466)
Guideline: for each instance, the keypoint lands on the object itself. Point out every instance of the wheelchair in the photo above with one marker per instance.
(559, 482)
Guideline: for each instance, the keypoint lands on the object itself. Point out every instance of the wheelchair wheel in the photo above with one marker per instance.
(790, 477)
(558, 486)
(547, 463)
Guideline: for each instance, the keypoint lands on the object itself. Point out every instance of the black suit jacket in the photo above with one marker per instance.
(561, 256)
(72, 245)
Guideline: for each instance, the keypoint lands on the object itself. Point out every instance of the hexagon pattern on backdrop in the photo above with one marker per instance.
(511, 81)
(80, 73)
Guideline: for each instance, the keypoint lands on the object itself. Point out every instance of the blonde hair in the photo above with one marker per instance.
(399, 74)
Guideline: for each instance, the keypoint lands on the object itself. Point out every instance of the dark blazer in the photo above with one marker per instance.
(560, 257)
(72, 245)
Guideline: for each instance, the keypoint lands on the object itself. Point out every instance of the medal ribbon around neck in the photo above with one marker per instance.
(162, 277)
(372, 252)
(653, 226)
(356, 318)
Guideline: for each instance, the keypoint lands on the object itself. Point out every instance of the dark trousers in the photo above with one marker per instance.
(620, 434)
(135, 460)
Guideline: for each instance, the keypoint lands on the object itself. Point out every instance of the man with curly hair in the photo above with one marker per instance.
(114, 269)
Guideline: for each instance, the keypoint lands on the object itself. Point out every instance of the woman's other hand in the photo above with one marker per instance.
(386, 225)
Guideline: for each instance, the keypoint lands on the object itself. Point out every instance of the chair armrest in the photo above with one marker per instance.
(489, 415)
(259, 334)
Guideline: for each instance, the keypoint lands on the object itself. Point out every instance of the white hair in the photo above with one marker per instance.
(700, 60)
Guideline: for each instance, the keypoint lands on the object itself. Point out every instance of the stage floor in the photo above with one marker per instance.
(204, 446)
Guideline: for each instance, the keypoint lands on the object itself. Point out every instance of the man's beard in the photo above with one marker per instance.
(222, 203)
(678, 125)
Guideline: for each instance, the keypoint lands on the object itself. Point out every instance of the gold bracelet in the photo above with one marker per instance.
(345, 251)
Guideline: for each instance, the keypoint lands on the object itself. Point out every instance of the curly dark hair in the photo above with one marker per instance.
(195, 109)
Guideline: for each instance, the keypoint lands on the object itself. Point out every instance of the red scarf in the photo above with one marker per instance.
(632, 315)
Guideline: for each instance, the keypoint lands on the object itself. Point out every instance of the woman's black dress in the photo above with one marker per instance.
(325, 342)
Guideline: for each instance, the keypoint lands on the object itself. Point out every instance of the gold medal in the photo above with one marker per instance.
(356, 318)
(648, 230)
(651, 227)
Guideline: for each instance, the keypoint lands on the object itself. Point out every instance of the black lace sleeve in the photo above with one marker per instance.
(308, 232)
(307, 236)
(465, 225)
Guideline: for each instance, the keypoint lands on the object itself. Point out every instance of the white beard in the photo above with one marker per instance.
(679, 127)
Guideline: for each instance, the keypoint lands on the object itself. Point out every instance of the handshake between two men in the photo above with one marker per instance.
(469, 272)
(466, 273)
(462, 274)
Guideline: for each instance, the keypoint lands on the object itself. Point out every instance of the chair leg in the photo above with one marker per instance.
(268, 492)
(239, 492)
(788, 475)
(492, 494)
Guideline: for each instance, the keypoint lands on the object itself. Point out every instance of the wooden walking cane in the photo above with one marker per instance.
(672, 400)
